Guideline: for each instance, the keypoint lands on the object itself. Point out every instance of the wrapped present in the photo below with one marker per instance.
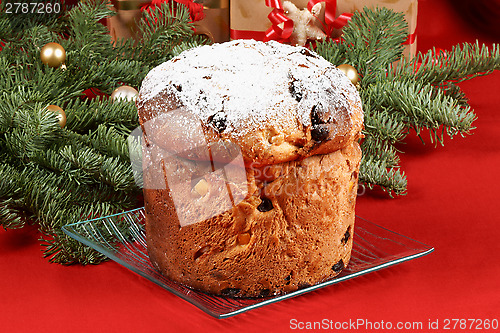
(210, 17)
(261, 19)
(215, 24)
(292, 21)
(123, 24)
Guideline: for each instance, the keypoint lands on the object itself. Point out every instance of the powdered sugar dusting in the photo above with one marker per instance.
(251, 83)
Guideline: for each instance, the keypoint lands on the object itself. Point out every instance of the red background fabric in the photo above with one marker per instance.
(451, 205)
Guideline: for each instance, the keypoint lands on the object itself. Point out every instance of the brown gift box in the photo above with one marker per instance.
(215, 24)
(249, 18)
(123, 24)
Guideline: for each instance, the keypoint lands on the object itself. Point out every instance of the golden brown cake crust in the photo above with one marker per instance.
(304, 238)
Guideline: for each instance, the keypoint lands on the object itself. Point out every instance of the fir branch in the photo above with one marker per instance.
(65, 250)
(108, 170)
(86, 31)
(9, 187)
(374, 172)
(62, 249)
(109, 74)
(381, 121)
(107, 141)
(454, 91)
(11, 24)
(11, 215)
(408, 94)
(7, 74)
(51, 160)
(42, 188)
(174, 23)
(57, 176)
(162, 28)
(50, 84)
(423, 105)
(85, 115)
(195, 41)
(463, 62)
(331, 50)
(59, 213)
(33, 129)
(378, 149)
(374, 39)
(56, 201)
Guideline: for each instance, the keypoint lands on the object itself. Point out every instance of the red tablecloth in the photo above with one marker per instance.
(451, 205)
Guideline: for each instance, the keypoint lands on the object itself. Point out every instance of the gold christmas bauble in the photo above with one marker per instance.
(351, 73)
(124, 92)
(53, 55)
(61, 115)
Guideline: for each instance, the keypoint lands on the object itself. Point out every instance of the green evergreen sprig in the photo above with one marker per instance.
(400, 95)
(52, 175)
(463, 62)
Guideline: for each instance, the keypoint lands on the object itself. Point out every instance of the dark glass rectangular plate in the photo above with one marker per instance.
(121, 237)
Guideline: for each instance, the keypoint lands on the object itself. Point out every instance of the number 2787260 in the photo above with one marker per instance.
(32, 7)
(470, 324)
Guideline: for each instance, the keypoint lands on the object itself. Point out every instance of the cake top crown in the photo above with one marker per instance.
(248, 83)
(274, 101)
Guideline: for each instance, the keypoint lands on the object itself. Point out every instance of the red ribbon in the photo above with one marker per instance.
(277, 16)
(331, 21)
(247, 34)
(411, 38)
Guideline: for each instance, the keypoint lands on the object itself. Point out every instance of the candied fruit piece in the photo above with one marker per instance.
(244, 239)
(339, 266)
(265, 206)
(201, 187)
(295, 90)
(347, 235)
(218, 121)
(230, 291)
(264, 292)
(201, 251)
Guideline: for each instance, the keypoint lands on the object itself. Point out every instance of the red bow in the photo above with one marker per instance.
(331, 21)
(277, 16)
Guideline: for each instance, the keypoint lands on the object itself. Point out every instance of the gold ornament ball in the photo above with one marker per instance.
(61, 115)
(53, 55)
(351, 73)
(124, 92)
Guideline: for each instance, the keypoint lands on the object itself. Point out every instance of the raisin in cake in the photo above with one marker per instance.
(293, 121)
